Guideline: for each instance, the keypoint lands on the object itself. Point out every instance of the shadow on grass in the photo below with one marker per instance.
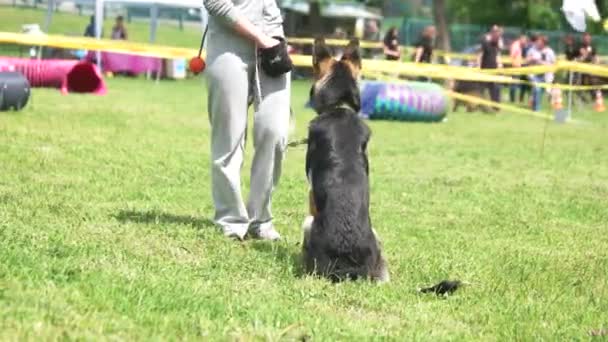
(284, 253)
(158, 217)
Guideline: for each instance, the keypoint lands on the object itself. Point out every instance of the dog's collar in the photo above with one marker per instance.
(343, 106)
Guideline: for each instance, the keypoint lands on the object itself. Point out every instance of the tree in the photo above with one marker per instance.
(316, 22)
(441, 22)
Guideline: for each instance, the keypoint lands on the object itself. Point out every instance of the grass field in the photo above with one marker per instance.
(105, 231)
(12, 18)
(105, 228)
(69, 24)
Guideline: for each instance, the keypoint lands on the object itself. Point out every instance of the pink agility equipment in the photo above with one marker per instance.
(67, 75)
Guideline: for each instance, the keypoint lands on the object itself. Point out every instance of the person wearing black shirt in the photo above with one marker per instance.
(587, 53)
(572, 52)
(570, 49)
(392, 50)
(90, 30)
(490, 59)
(424, 47)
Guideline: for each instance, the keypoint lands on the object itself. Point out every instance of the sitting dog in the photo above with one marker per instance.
(339, 242)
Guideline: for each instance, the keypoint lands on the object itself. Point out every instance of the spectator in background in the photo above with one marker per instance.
(90, 30)
(548, 58)
(371, 30)
(587, 53)
(423, 52)
(339, 33)
(490, 59)
(516, 52)
(540, 54)
(392, 50)
(570, 48)
(119, 31)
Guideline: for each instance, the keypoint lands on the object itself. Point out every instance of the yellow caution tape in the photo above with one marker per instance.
(409, 69)
(85, 43)
(380, 45)
(372, 68)
(502, 106)
(484, 102)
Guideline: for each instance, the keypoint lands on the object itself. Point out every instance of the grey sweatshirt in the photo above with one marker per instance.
(264, 14)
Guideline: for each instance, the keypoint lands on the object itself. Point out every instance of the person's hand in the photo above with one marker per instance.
(266, 42)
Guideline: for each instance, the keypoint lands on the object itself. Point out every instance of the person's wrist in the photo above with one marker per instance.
(266, 41)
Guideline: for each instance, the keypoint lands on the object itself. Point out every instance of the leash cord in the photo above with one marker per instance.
(200, 50)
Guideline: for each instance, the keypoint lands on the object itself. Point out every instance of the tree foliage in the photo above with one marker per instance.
(527, 14)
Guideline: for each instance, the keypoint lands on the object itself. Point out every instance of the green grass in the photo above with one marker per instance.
(105, 232)
(69, 24)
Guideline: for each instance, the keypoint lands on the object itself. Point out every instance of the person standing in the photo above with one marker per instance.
(119, 31)
(90, 29)
(570, 48)
(588, 54)
(392, 50)
(540, 54)
(490, 59)
(586, 51)
(423, 52)
(238, 30)
(516, 52)
(371, 30)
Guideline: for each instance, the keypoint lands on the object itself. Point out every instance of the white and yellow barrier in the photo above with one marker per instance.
(371, 67)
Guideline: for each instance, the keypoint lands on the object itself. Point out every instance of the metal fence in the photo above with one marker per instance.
(463, 36)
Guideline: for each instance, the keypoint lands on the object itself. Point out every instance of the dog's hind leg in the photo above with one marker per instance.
(307, 227)
(380, 272)
(306, 258)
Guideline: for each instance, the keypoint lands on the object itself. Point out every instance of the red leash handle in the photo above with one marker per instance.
(197, 64)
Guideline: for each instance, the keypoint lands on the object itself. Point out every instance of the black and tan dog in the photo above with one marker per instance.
(339, 242)
(471, 88)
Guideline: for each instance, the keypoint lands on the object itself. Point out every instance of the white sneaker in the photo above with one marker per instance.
(265, 232)
(235, 232)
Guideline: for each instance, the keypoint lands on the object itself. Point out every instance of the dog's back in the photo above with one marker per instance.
(339, 243)
(342, 244)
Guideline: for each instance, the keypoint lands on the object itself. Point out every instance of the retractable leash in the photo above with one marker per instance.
(197, 64)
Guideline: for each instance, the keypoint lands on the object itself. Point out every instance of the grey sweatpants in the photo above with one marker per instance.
(232, 83)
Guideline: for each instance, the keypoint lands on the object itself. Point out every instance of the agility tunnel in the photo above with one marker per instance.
(69, 76)
(14, 91)
(403, 101)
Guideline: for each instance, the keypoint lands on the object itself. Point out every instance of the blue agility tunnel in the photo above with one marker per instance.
(403, 101)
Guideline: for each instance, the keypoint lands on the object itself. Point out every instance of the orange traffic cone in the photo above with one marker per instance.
(599, 102)
(556, 99)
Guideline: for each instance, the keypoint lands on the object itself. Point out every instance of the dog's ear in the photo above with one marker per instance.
(352, 55)
(321, 58)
